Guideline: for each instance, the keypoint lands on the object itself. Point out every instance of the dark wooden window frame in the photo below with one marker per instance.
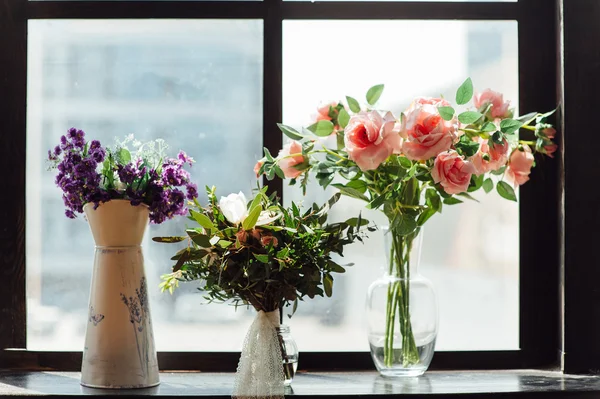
(540, 215)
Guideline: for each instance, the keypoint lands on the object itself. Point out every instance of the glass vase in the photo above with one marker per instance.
(289, 352)
(402, 310)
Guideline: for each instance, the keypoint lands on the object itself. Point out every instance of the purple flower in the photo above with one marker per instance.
(184, 158)
(192, 191)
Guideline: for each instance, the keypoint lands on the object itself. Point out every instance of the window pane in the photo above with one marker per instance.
(477, 283)
(198, 85)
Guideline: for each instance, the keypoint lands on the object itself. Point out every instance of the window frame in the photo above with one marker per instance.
(539, 204)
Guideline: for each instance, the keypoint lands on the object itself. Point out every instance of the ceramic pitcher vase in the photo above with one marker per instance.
(119, 344)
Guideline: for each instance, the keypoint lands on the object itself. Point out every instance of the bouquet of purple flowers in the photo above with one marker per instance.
(89, 172)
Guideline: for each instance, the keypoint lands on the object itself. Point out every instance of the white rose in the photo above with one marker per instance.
(234, 207)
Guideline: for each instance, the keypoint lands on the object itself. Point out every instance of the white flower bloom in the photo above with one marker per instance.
(234, 207)
(267, 217)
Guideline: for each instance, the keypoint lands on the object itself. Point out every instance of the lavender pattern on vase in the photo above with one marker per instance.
(95, 317)
(139, 315)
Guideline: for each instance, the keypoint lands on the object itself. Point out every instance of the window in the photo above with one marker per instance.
(206, 72)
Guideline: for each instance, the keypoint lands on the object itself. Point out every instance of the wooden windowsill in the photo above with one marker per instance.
(435, 384)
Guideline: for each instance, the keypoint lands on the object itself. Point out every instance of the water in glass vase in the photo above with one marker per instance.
(402, 311)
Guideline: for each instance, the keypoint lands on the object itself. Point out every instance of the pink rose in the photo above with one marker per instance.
(426, 133)
(371, 139)
(257, 167)
(289, 157)
(452, 172)
(489, 159)
(323, 111)
(520, 166)
(549, 132)
(499, 106)
(550, 149)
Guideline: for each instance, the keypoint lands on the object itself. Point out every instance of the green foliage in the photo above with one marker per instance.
(374, 93)
(321, 128)
(290, 132)
(447, 113)
(267, 265)
(343, 118)
(469, 117)
(353, 104)
(506, 191)
(488, 185)
(509, 126)
(464, 92)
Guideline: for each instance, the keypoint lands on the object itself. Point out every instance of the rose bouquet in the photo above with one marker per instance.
(262, 254)
(409, 167)
(90, 173)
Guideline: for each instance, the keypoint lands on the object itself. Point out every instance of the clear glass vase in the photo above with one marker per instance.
(289, 352)
(402, 310)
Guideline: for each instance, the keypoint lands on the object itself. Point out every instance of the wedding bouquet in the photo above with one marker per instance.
(409, 167)
(262, 254)
(91, 173)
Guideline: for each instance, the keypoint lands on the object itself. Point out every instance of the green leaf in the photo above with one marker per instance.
(374, 93)
(433, 200)
(353, 104)
(510, 126)
(202, 220)
(334, 267)
(405, 162)
(261, 258)
(464, 92)
(358, 185)
(476, 183)
(499, 171)
(404, 224)
(498, 138)
(201, 240)
(321, 128)
(168, 240)
(350, 192)
(488, 185)
(447, 113)
(468, 196)
(376, 202)
(354, 222)
(268, 155)
(124, 156)
(528, 118)
(488, 127)
(328, 285)
(252, 217)
(343, 118)
(452, 201)
(290, 132)
(506, 191)
(425, 216)
(469, 117)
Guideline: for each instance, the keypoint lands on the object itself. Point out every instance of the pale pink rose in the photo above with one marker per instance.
(549, 132)
(519, 166)
(500, 108)
(497, 156)
(370, 139)
(452, 172)
(550, 149)
(257, 167)
(287, 163)
(426, 133)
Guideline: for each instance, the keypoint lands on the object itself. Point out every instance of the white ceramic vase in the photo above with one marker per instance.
(119, 343)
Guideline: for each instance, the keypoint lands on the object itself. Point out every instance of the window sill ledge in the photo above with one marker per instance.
(435, 384)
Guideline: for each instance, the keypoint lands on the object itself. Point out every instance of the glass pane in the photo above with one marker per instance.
(198, 85)
(477, 283)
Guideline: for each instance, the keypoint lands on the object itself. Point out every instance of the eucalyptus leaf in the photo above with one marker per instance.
(350, 192)
(202, 220)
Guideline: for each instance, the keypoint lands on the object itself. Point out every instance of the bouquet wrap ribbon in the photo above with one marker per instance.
(260, 370)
